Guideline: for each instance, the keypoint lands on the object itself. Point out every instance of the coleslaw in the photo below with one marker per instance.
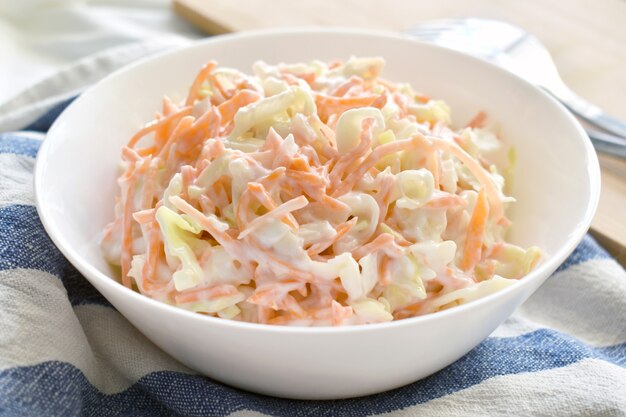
(312, 194)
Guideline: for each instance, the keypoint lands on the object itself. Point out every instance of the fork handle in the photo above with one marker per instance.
(593, 114)
(607, 143)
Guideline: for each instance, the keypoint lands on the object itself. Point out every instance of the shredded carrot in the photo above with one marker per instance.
(342, 89)
(378, 153)
(352, 157)
(185, 111)
(478, 120)
(322, 245)
(382, 241)
(228, 109)
(384, 275)
(488, 183)
(127, 232)
(261, 194)
(340, 313)
(476, 233)
(225, 92)
(293, 79)
(206, 293)
(328, 105)
(287, 207)
(445, 200)
(197, 83)
(177, 134)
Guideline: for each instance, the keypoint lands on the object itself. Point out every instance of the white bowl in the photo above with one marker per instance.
(557, 186)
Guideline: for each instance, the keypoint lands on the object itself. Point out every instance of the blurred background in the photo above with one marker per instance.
(586, 38)
(71, 44)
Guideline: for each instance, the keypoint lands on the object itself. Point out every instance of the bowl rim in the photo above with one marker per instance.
(545, 268)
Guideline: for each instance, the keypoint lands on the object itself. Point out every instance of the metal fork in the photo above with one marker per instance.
(518, 51)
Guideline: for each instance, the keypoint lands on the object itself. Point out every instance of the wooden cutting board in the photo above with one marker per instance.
(586, 38)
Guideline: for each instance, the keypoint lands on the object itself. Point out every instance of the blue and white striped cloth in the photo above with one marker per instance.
(65, 351)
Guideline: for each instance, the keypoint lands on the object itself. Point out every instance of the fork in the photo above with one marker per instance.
(518, 51)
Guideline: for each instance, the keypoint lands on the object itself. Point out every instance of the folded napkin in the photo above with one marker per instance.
(65, 351)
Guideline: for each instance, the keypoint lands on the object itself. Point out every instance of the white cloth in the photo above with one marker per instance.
(71, 44)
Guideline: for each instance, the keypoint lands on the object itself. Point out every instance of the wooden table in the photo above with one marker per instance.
(587, 40)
